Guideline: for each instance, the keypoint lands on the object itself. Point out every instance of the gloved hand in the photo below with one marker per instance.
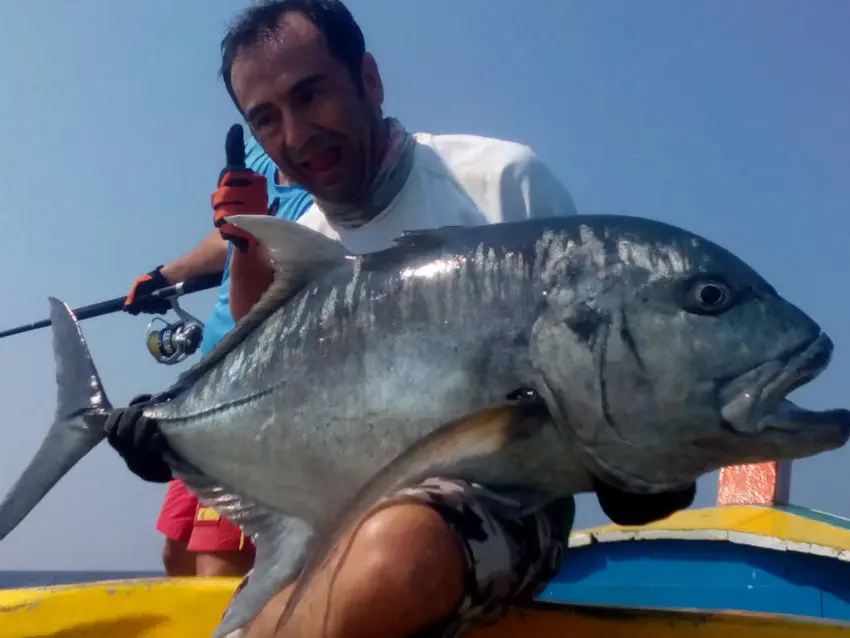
(240, 192)
(139, 442)
(624, 508)
(144, 286)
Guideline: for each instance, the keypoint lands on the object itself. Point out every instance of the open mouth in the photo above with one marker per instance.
(323, 161)
(759, 396)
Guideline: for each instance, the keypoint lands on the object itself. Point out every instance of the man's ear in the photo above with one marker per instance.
(373, 85)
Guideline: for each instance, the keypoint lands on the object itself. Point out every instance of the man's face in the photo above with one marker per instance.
(306, 111)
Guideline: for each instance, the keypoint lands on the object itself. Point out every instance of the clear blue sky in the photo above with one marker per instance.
(728, 118)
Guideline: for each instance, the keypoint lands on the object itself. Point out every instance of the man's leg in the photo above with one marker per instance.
(175, 522)
(220, 548)
(456, 555)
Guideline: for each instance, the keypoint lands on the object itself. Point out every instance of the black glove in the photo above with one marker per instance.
(139, 442)
(624, 508)
(139, 300)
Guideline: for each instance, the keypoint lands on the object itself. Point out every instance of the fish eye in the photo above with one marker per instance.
(710, 296)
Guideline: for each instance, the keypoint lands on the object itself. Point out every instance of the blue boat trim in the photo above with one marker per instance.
(708, 575)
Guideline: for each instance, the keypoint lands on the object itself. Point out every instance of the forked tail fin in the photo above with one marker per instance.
(81, 412)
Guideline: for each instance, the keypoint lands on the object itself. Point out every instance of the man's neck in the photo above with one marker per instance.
(282, 180)
(380, 143)
(391, 165)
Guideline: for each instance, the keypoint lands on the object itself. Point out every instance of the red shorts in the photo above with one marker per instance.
(183, 518)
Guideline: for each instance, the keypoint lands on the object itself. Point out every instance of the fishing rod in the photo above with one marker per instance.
(170, 344)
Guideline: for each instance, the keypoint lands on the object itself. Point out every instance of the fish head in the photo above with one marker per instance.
(663, 357)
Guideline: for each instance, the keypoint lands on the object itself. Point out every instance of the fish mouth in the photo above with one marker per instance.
(757, 399)
(761, 423)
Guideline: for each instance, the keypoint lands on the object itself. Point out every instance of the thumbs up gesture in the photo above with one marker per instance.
(240, 191)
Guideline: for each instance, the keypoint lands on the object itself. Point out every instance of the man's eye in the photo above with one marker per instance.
(262, 120)
(304, 99)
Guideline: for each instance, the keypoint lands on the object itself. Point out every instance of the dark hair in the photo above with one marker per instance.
(331, 17)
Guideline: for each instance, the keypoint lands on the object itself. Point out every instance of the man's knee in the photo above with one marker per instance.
(407, 556)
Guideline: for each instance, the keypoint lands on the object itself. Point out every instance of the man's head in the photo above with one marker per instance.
(299, 72)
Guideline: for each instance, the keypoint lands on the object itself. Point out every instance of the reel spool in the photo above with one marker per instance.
(173, 342)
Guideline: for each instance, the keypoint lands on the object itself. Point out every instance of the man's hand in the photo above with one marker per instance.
(139, 442)
(143, 287)
(624, 508)
(240, 192)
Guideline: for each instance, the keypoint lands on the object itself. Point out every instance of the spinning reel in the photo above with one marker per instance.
(171, 343)
(174, 341)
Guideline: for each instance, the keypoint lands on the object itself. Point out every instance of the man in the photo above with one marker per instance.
(299, 73)
(199, 542)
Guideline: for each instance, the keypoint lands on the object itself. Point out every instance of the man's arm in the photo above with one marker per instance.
(207, 258)
(251, 274)
(529, 189)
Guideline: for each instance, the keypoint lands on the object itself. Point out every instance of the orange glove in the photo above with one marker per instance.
(143, 287)
(240, 192)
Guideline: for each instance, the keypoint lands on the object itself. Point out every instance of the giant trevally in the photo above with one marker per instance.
(544, 356)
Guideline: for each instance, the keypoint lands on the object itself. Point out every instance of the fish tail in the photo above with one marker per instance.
(82, 407)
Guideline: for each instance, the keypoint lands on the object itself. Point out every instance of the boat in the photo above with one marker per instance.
(190, 607)
(752, 565)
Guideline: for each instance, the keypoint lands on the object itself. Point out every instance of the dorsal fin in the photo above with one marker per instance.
(292, 245)
(298, 255)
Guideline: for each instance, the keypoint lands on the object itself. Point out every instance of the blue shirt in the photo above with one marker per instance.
(290, 201)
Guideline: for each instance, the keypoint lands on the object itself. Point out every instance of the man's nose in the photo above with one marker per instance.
(298, 129)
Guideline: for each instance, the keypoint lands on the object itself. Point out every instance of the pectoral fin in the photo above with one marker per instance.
(448, 452)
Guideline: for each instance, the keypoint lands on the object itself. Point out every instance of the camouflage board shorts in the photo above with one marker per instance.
(509, 557)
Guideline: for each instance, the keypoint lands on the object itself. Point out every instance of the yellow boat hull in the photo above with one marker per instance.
(185, 608)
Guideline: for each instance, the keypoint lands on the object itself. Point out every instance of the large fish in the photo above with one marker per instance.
(545, 356)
